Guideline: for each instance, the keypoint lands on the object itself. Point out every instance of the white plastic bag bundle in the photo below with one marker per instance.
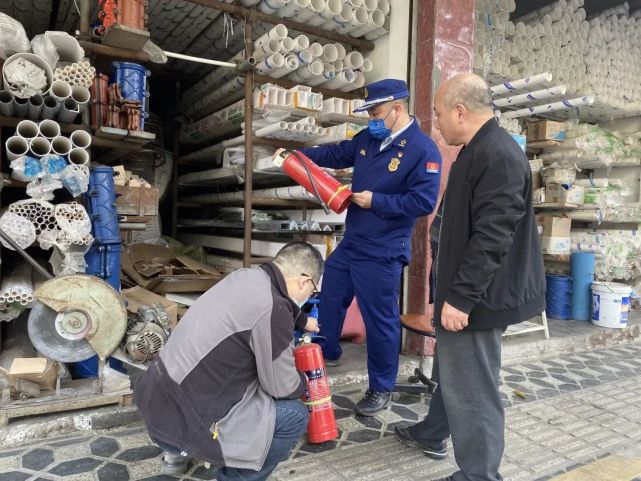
(44, 48)
(13, 38)
(25, 78)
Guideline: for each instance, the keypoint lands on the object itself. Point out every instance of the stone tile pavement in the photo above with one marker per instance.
(561, 414)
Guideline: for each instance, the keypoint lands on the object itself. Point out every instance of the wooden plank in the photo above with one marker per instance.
(139, 201)
(34, 407)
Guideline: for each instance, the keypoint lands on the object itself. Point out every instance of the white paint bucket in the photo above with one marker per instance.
(610, 304)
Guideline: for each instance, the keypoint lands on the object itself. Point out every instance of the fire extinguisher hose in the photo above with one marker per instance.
(313, 182)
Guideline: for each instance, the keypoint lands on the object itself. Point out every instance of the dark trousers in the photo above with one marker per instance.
(467, 404)
(291, 423)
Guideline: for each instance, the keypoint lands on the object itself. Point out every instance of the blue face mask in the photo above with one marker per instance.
(378, 129)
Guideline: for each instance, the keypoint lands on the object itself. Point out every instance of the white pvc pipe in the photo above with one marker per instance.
(301, 43)
(313, 11)
(354, 60)
(305, 57)
(355, 3)
(271, 129)
(531, 96)
(35, 106)
(81, 95)
(286, 45)
(328, 74)
(278, 32)
(271, 63)
(27, 129)
(342, 79)
(330, 53)
(291, 64)
(312, 70)
(338, 65)
(298, 9)
(316, 49)
(39, 147)
(359, 19)
(50, 108)
(553, 107)
(519, 84)
(381, 31)
(342, 53)
(60, 90)
(16, 147)
(81, 139)
(69, 111)
(271, 47)
(61, 145)
(375, 21)
(368, 65)
(383, 5)
(20, 106)
(359, 82)
(341, 21)
(6, 103)
(272, 6)
(331, 9)
(79, 156)
(48, 129)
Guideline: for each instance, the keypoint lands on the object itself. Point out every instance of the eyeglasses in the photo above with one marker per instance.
(315, 292)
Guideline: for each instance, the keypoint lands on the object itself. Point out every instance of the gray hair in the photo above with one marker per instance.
(468, 90)
(298, 258)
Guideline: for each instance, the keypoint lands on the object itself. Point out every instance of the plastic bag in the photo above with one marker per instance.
(43, 47)
(25, 78)
(53, 164)
(25, 168)
(13, 38)
(43, 188)
(75, 178)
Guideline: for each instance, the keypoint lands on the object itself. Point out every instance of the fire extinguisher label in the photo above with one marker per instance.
(317, 397)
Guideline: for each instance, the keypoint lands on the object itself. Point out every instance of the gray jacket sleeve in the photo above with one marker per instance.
(271, 340)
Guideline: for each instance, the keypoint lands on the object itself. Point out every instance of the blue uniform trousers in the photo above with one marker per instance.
(354, 270)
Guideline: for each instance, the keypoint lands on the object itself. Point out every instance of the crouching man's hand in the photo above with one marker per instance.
(312, 325)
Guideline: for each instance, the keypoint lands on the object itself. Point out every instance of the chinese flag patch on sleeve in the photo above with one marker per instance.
(432, 168)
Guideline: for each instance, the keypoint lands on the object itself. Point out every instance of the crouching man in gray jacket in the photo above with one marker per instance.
(225, 388)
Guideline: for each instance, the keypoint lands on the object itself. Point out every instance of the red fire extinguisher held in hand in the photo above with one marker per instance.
(317, 397)
(330, 192)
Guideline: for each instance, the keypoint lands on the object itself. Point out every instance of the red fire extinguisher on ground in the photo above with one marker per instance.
(330, 192)
(317, 397)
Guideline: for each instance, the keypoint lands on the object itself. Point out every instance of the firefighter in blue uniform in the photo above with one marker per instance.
(396, 180)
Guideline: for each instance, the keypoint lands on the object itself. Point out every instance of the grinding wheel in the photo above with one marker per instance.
(74, 312)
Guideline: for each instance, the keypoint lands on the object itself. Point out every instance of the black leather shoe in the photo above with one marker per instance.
(373, 402)
(432, 450)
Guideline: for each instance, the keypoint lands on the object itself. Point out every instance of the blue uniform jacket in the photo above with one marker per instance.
(404, 177)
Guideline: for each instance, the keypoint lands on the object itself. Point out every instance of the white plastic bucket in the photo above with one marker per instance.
(610, 304)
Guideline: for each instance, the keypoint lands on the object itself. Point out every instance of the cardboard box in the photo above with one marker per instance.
(545, 130)
(521, 140)
(557, 226)
(137, 296)
(160, 270)
(137, 200)
(42, 371)
(557, 194)
(555, 245)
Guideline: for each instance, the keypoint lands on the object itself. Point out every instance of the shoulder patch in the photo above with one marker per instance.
(432, 167)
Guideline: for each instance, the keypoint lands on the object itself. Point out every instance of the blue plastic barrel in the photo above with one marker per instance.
(582, 278)
(101, 203)
(104, 261)
(558, 296)
(132, 78)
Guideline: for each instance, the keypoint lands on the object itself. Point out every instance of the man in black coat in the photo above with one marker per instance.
(489, 274)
